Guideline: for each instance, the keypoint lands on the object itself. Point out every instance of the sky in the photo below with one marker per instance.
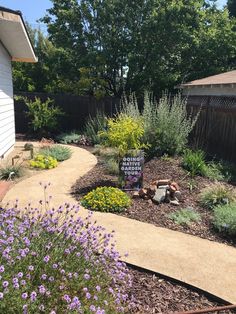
(32, 10)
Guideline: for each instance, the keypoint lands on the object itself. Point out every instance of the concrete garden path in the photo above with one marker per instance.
(207, 265)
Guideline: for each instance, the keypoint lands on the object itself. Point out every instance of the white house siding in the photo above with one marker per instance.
(219, 90)
(7, 121)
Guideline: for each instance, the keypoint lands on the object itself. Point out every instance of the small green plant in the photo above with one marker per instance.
(43, 162)
(69, 138)
(185, 216)
(94, 125)
(58, 152)
(11, 172)
(225, 218)
(216, 194)
(192, 185)
(43, 115)
(214, 171)
(106, 199)
(28, 146)
(124, 133)
(112, 166)
(194, 162)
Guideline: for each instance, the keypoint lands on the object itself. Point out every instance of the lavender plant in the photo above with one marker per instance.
(53, 261)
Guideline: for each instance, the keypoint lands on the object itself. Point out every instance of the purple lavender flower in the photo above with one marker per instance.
(31, 268)
(86, 276)
(2, 269)
(5, 284)
(92, 308)
(42, 289)
(20, 275)
(24, 295)
(88, 295)
(44, 277)
(1, 295)
(46, 258)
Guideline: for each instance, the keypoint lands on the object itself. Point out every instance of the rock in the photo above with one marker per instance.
(172, 189)
(151, 190)
(178, 195)
(135, 194)
(164, 187)
(174, 202)
(175, 185)
(142, 193)
(150, 202)
(159, 196)
(163, 182)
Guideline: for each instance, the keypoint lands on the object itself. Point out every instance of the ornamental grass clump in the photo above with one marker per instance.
(58, 152)
(53, 261)
(106, 199)
(43, 162)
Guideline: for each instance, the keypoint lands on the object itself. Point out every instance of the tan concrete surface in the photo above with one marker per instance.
(207, 265)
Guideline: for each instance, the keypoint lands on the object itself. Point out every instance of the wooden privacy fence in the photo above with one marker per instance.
(76, 108)
(215, 130)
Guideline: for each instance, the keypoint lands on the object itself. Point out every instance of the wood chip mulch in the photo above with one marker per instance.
(157, 215)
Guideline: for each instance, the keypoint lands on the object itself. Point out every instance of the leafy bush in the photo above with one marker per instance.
(52, 263)
(10, 172)
(28, 146)
(106, 199)
(69, 138)
(43, 162)
(124, 133)
(94, 125)
(43, 115)
(172, 124)
(214, 171)
(194, 162)
(225, 218)
(185, 216)
(58, 152)
(216, 194)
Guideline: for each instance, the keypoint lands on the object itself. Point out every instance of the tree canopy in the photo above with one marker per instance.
(103, 47)
(231, 4)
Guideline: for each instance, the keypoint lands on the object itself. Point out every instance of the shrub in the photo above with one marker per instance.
(194, 162)
(112, 166)
(57, 262)
(124, 133)
(216, 194)
(214, 171)
(185, 216)
(58, 152)
(28, 146)
(106, 199)
(225, 218)
(43, 115)
(172, 125)
(43, 162)
(69, 138)
(10, 172)
(94, 125)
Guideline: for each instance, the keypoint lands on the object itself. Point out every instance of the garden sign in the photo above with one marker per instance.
(131, 171)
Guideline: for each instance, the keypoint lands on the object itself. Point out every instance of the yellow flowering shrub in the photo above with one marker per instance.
(124, 133)
(43, 162)
(106, 199)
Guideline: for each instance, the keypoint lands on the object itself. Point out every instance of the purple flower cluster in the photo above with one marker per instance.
(54, 260)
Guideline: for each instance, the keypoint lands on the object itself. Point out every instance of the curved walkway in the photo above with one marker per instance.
(207, 265)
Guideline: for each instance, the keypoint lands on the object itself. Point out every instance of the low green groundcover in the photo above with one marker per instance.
(106, 199)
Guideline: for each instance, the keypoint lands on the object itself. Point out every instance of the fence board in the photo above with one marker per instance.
(215, 130)
(77, 109)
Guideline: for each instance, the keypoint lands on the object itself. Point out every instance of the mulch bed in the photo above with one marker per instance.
(157, 215)
(154, 294)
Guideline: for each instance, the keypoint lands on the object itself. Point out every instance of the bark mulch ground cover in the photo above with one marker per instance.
(153, 293)
(146, 211)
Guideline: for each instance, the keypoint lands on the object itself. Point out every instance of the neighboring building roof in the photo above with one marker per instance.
(226, 78)
(14, 36)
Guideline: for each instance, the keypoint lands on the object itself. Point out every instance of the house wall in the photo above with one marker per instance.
(7, 121)
(218, 90)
